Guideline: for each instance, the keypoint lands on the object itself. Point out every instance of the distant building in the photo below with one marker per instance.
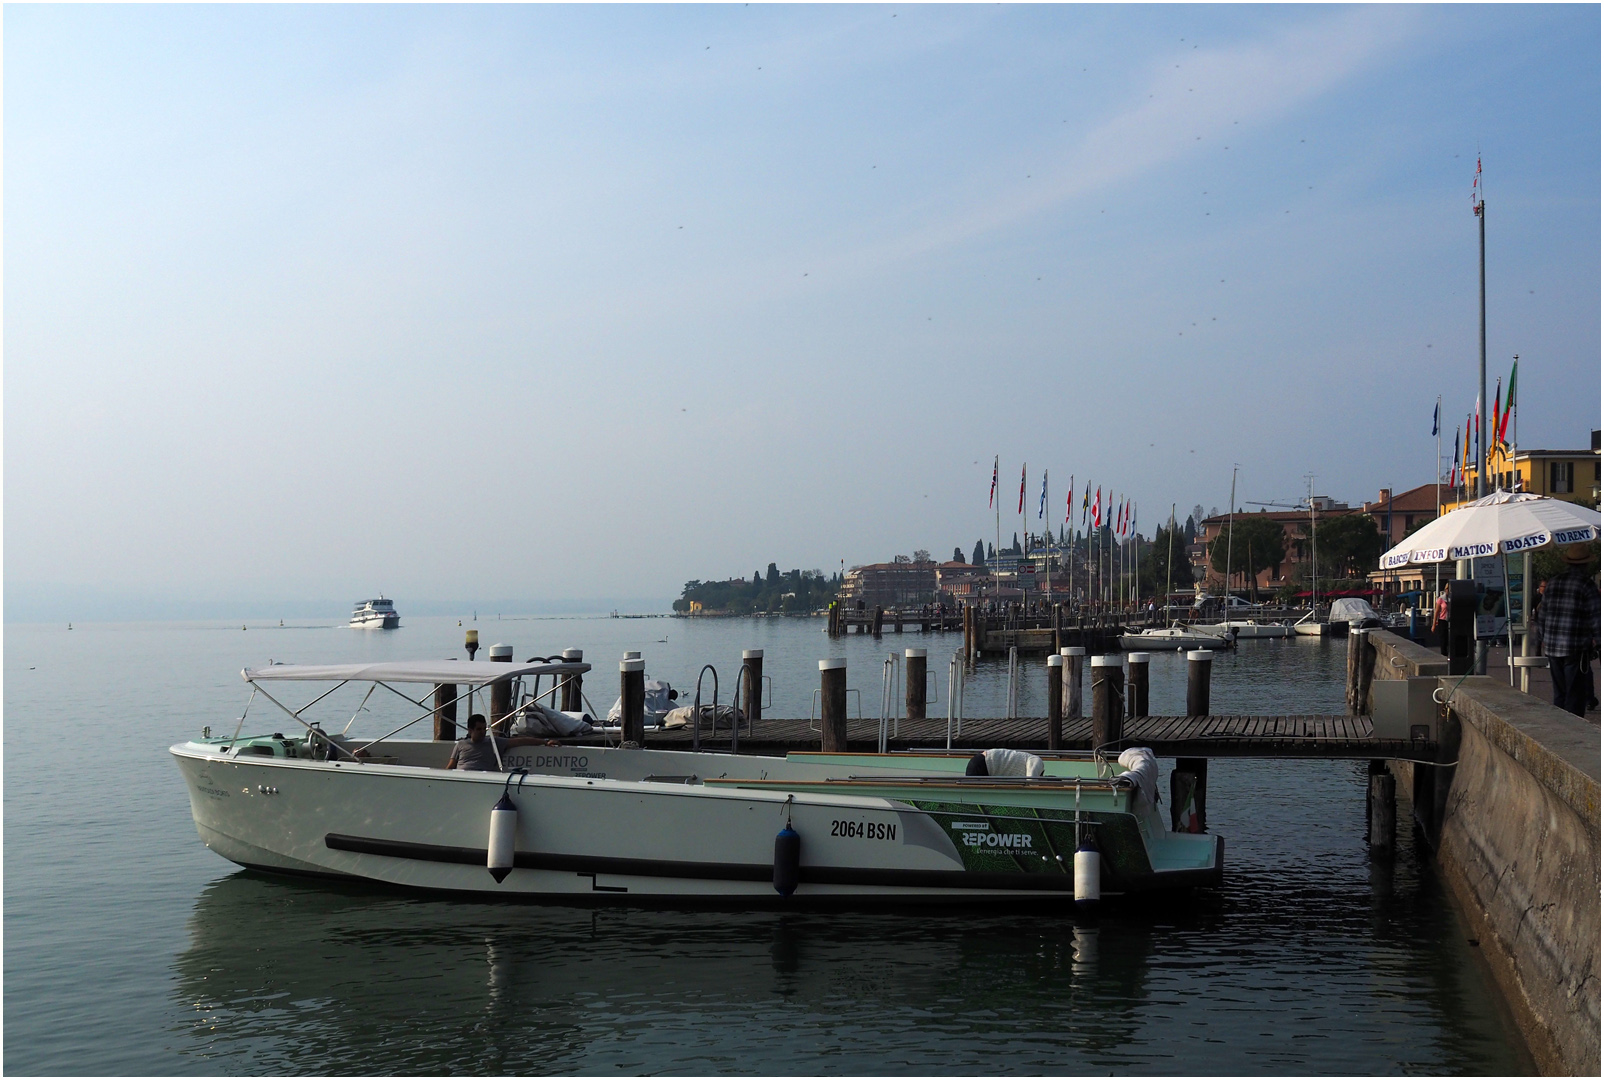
(1396, 516)
(1571, 475)
(1294, 524)
(892, 584)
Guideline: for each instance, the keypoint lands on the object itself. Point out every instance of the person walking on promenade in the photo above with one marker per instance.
(1567, 628)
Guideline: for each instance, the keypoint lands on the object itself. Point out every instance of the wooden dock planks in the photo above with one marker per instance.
(1290, 736)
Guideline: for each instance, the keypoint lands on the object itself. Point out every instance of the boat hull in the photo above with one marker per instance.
(593, 837)
(388, 621)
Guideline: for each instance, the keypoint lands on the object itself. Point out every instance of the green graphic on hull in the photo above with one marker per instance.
(1028, 840)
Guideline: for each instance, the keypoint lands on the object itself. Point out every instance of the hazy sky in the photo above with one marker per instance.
(567, 306)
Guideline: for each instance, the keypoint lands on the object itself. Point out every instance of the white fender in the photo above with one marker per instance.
(503, 828)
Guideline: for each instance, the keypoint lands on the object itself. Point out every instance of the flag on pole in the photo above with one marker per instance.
(1492, 434)
(1041, 511)
(1453, 474)
(993, 497)
(1509, 402)
(1097, 508)
(1069, 502)
(1475, 189)
(1086, 502)
(1022, 469)
(1434, 416)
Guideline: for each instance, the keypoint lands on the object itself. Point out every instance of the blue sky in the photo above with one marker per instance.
(566, 306)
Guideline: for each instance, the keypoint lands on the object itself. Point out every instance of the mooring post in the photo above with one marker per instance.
(1058, 626)
(1194, 771)
(752, 692)
(915, 664)
(445, 711)
(1367, 672)
(1107, 719)
(500, 692)
(1199, 666)
(1074, 670)
(879, 620)
(833, 704)
(632, 700)
(1136, 684)
(1383, 809)
(573, 700)
(1354, 646)
(1055, 702)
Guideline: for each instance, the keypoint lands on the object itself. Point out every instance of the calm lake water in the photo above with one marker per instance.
(130, 948)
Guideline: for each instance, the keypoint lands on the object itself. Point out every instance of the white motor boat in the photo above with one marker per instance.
(1246, 629)
(1179, 636)
(377, 614)
(616, 823)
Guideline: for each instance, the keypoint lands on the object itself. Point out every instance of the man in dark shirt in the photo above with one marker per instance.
(1567, 626)
(478, 753)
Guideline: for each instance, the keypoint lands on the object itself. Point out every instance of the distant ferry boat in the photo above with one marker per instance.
(375, 615)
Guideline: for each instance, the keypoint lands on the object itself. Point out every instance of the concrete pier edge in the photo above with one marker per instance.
(1514, 821)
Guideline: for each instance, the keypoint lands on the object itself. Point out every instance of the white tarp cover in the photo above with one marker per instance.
(1141, 768)
(467, 672)
(538, 719)
(1001, 762)
(1352, 609)
(1502, 522)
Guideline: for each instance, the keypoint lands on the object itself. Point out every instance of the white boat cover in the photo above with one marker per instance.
(1141, 768)
(1000, 762)
(1352, 609)
(1501, 522)
(467, 672)
(538, 719)
(656, 701)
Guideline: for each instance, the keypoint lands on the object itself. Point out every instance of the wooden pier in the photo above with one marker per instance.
(1043, 630)
(1312, 736)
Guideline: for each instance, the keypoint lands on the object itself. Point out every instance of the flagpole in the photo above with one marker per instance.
(1437, 483)
(1481, 399)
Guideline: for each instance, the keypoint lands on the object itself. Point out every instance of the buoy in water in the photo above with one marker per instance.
(503, 827)
(1088, 874)
(787, 860)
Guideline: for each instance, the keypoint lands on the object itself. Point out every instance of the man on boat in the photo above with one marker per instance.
(476, 752)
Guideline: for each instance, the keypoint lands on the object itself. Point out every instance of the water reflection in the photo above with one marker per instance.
(1309, 973)
(285, 976)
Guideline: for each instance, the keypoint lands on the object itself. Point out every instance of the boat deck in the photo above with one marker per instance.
(1312, 736)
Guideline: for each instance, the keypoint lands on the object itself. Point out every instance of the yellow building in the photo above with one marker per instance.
(1572, 475)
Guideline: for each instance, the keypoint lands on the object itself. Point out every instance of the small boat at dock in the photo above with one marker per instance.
(621, 823)
(1246, 629)
(1171, 638)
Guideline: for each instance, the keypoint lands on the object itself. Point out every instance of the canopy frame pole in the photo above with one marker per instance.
(359, 708)
(429, 711)
(240, 726)
(297, 718)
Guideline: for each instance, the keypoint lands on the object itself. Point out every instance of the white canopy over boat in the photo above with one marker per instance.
(1352, 609)
(1503, 522)
(470, 672)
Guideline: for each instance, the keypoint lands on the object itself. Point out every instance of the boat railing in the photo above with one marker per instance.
(813, 709)
(696, 711)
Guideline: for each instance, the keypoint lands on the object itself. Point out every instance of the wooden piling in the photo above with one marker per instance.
(1108, 721)
(445, 712)
(1199, 666)
(1355, 641)
(632, 700)
(500, 692)
(1058, 627)
(833, 705)
(752, 691)
(1383, 809)
(879, 621)
(1055, 702)
(572, 696)
(1367, 671)
(1074, 674)
(915, 663)
(1136, 672)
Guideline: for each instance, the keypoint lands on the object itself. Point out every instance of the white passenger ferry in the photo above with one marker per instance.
(377, 614)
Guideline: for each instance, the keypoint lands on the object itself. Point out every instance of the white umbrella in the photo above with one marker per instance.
(1500, 524)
